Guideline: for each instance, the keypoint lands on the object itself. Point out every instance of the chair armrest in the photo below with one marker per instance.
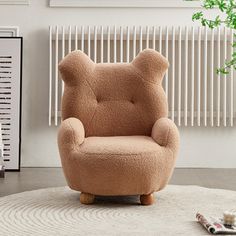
(71, 134)
(166, 134)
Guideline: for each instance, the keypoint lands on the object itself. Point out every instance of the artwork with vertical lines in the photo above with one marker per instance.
(10, 99)
(197, 95)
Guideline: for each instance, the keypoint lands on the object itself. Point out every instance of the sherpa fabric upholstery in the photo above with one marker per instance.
(115, 138)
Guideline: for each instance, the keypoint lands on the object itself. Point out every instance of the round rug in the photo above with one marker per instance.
(57, 211)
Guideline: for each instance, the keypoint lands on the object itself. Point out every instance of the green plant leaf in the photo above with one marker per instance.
(227, 19)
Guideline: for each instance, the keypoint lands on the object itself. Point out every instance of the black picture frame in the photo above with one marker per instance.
(20, 102)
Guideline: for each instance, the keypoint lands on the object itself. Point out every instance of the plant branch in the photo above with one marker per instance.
(227, 7)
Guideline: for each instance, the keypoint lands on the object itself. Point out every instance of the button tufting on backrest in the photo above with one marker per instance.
(98, 99)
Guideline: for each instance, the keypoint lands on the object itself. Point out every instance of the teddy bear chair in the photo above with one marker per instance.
(115, 137)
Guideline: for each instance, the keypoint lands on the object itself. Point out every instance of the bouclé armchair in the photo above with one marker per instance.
(115, 137)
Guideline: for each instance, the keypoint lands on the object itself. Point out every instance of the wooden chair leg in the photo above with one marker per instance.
(147, 199)
(86, 198)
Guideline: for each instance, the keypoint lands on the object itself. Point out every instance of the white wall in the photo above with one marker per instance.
(200, 147)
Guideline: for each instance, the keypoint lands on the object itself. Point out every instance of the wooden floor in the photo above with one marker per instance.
(36, 178)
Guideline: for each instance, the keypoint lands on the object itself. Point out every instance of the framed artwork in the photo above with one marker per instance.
(9, 31)
(10, 99)
(124, 3)
(14, 2)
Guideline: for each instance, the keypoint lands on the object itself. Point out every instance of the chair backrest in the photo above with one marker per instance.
(114, 99)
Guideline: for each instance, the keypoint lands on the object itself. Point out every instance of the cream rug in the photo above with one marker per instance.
(57, 211)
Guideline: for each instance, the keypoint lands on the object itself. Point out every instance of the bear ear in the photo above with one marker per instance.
(151, 65)
(75, 66)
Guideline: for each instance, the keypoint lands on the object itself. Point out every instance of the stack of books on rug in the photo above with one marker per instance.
(225, 225)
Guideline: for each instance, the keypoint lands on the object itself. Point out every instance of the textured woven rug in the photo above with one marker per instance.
(57, 211)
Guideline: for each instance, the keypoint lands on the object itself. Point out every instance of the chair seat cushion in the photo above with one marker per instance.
(119, 165)
(119, 145)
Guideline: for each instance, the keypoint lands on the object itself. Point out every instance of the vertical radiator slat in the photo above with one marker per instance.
(76, 38)
(186, 79)
(147, 38)
(173, 75)
(218, 78)
(231, 82)
(205, 76)
(166, 77)
(199, 78)
(95, 44)
(160, 40)
(141, 39)
(108, 43)
(192, 77)
(89, 39)
(212, 77)
(101, 44)
(154, 37)
(127, 43)
(121, 44)
(56, 79)
(82, 38)
(134, 42)
(115, 44)
(63, 43)
(225, 78)
(69, 39)
(50, 78)
(63, 53)
(179, 75)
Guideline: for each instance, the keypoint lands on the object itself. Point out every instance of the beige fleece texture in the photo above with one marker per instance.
(115, 138)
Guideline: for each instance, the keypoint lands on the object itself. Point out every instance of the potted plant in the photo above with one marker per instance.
(226, 16)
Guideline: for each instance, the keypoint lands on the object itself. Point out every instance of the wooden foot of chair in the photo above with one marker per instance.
(86, 198)
(147, 199)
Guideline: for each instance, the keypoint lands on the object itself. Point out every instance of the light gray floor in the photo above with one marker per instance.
(36, 178)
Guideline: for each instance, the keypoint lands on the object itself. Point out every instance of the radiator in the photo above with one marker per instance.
(197, 95)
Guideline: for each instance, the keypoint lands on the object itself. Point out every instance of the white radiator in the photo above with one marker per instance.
(197, 95)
